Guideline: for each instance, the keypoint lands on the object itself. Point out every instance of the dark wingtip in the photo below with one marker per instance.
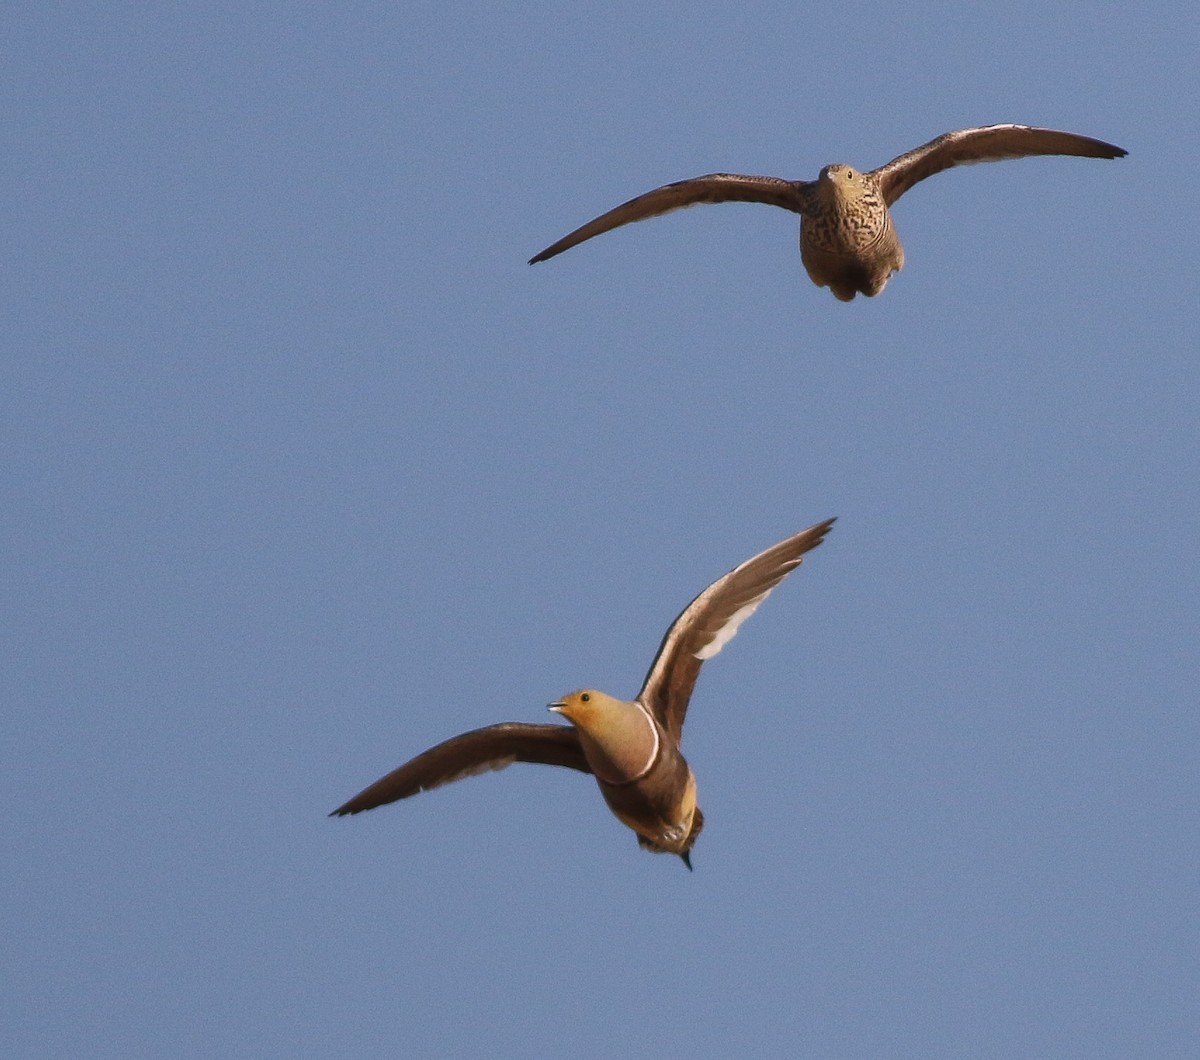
(822, 529)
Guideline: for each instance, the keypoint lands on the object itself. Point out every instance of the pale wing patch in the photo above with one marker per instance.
(489, 766)
(728, 631)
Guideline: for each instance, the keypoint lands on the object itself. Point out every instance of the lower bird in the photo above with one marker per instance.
(847, 240)
(630, 747)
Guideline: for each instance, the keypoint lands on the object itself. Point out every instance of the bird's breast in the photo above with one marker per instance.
(847, 226)
(659, 806)
(852, 253)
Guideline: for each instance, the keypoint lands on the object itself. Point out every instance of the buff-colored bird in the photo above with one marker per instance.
(847, 240)
(632, 748)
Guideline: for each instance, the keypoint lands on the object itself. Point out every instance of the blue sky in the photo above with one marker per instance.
(306, 470)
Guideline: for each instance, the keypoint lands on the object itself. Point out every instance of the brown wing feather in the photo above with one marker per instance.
(701, 625)
(478, 751)
(715, 187)
(992, 143)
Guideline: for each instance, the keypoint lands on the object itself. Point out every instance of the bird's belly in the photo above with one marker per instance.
(847, 267)
(661, 814)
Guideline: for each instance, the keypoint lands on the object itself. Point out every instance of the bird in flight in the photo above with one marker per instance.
(630, 747)
(847, 240)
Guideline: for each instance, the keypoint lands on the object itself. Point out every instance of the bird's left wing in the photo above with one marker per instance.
(710, 621)
(715, 187)
(478, 751)
(991, 143)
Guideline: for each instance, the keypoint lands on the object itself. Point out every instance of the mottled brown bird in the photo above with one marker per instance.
(630, 747)
(847, 240)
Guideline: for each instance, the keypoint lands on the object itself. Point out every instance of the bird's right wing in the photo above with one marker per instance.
(710, 621)
(715, 187)
(478, 751)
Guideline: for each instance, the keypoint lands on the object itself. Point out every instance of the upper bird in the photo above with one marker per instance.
(631, 748)
(847, 240)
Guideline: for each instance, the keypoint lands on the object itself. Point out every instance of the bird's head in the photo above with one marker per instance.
(588, 709)
(841, 181)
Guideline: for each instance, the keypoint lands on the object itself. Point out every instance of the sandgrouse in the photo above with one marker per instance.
(847, 240)
(631, 748)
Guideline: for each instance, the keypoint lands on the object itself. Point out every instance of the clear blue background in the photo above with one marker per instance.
(304, 470)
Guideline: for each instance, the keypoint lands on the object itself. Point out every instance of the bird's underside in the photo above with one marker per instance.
(847, 241)
(492, 748)
(692, 836)
(631, 747)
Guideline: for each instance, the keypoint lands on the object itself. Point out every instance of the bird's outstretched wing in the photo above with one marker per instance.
(478, 751)
(715, 187)
(710, 621)
(992, 143)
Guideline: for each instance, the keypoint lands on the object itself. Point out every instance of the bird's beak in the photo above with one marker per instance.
(558, 707)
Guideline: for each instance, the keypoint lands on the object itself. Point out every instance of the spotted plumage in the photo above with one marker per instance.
(847, 240)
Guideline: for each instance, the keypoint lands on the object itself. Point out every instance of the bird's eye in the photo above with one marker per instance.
(585, 697)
